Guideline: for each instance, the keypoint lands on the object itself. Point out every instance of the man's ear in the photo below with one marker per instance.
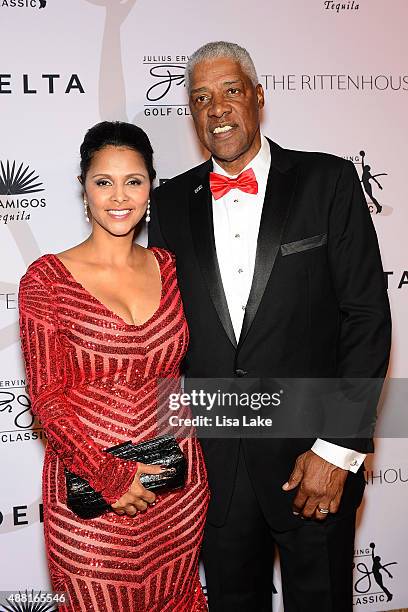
(260, 96)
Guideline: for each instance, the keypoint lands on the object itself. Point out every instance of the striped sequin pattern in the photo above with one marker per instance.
(93, 382)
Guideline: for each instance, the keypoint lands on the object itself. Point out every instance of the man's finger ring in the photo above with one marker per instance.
(324, 510)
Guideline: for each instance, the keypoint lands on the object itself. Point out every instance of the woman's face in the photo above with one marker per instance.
(117, 188)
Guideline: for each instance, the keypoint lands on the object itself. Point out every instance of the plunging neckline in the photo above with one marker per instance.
(104, 306)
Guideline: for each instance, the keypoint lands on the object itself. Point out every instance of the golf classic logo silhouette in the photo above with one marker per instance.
(372, 577)
(367, 179)
(374, 181)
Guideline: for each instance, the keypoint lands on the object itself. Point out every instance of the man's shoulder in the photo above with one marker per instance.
(182, 181)
(310, 161)
(319, 158)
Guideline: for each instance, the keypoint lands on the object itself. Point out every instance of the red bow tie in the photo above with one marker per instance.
(220, 184)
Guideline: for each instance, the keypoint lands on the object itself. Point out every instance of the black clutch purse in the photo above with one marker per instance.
(87, 503)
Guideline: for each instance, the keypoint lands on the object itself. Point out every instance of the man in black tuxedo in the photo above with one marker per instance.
(280, 274)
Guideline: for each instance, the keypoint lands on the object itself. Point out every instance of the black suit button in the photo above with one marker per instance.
(240, 372)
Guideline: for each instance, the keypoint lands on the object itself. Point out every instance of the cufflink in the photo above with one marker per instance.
(354, 463)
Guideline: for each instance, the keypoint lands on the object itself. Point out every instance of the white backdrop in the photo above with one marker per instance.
(336, 80)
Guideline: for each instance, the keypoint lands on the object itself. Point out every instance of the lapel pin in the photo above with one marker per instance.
(198, 189)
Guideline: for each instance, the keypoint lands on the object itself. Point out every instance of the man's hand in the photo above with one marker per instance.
(320, 486)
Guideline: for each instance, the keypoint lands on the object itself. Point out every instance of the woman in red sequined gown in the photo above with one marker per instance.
(100, 324)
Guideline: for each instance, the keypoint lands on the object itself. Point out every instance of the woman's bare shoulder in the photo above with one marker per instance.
(76, 253)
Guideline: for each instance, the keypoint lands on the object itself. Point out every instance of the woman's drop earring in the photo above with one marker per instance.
(86, 209)
(148, 211)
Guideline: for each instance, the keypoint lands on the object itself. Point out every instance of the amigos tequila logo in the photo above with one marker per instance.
(18, 183)
(340, 7)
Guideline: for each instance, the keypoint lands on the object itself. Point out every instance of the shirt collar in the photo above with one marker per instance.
(260, 164)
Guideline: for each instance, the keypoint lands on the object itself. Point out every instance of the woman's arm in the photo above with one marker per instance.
(44, 361)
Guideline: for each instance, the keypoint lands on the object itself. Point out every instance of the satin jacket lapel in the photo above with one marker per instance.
(202, 229)
(279, 193)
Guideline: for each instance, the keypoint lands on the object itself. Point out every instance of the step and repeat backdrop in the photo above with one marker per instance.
(336, 79)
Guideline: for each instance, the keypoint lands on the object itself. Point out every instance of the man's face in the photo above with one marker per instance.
(225, 107)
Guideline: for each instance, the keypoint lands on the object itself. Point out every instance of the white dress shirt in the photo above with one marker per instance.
(236, 218)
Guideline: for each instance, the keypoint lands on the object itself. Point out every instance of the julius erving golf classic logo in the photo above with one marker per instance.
(370, 181)
(17, 422)
(372, 577)
(374, 182)
(165, 95)
(18, 183)
(28, 4)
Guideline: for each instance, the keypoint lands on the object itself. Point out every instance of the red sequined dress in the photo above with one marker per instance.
(93, 381)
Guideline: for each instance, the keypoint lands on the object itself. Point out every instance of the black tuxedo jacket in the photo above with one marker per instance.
(318, 305)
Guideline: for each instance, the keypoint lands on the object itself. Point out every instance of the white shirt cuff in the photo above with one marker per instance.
(345, 458)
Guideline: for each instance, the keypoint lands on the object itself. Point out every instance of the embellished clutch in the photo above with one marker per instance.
(87, 503)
